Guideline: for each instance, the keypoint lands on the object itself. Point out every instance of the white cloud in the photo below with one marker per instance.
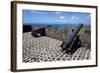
(62, 17)
(39, 12)
(58, 12)
(64, 20)
(73, 17)
(33, 11)
(77, 18)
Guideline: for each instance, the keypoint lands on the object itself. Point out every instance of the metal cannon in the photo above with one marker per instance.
(40, 31)
(72, 41)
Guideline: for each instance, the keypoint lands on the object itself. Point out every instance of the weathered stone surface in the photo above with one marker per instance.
(45, 49)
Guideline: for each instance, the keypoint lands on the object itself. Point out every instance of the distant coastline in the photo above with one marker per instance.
(57, 25)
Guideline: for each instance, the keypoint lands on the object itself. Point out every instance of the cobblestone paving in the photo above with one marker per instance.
(45, 49)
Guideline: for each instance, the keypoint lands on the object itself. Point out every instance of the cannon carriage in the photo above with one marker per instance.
(72, 41)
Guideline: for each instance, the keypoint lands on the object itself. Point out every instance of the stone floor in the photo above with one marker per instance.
(44, 49)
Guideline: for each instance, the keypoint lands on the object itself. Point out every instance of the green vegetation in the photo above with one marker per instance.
(85, 35)
(60, 34)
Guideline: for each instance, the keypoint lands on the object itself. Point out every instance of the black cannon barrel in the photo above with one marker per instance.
(39, 31)
(70, 37)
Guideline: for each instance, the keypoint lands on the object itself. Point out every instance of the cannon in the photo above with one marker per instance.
(72, 41)
(40, 31)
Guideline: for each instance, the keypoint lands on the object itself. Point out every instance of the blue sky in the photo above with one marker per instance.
(55, 17)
